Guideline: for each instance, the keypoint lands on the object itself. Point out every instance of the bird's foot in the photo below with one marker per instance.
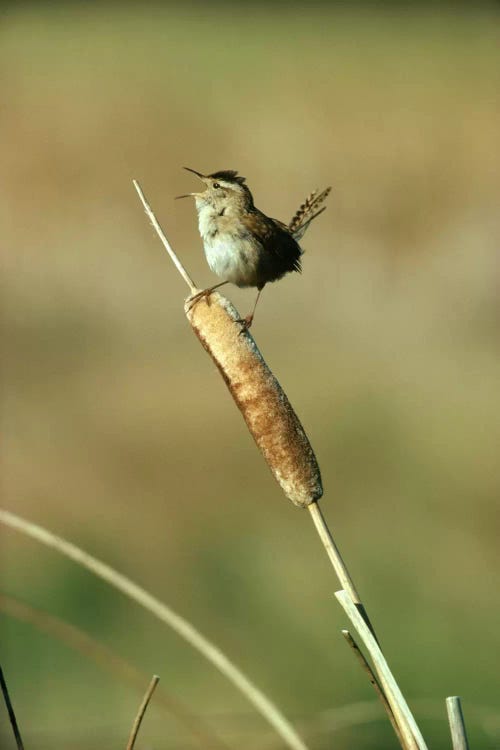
(195, 298)
(245, 323)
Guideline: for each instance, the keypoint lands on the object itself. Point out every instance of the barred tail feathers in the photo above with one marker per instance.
(307, 212)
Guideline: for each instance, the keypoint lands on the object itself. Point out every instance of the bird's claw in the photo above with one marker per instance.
(195, 298)
(245, 323)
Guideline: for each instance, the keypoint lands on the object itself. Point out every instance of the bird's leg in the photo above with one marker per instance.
(204, 293)
(247, 322)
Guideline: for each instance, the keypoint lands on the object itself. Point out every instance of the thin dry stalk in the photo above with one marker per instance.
(408, 728)
(182, 627)
(156, 225)
(10, 711)
(376, 685)
(142, 710)
(457, 724)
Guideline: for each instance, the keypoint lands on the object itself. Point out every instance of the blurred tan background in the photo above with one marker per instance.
(117, 430)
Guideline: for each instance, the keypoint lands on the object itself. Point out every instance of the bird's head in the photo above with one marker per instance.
(225, 192)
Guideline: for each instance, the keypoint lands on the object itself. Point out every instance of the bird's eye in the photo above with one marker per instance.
(216, 185)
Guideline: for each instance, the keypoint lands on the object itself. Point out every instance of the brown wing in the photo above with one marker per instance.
(286, 246)
(280, 253)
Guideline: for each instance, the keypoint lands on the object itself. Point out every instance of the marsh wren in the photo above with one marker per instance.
(242, 245)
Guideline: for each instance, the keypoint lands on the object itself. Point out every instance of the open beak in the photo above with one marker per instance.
(198, 174)
(190, 195)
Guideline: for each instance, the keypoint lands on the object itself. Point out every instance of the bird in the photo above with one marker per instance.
(242, 245)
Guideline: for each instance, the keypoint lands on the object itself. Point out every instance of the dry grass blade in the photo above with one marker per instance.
(182, 627)
(457, 724)
(141, 711)
(10, 711)
(376, 685)
(105, 658)
(412, 737)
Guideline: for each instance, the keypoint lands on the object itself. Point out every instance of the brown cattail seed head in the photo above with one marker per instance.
(269, 416)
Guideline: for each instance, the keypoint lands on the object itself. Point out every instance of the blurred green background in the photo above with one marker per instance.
(118, 431)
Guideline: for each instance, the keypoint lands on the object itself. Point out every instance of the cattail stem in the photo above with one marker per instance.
(281, 438)
(333, 552)
(337, 562)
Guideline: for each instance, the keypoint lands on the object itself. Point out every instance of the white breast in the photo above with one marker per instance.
(228, 254)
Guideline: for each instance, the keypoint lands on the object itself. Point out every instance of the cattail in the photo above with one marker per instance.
(265, 408)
